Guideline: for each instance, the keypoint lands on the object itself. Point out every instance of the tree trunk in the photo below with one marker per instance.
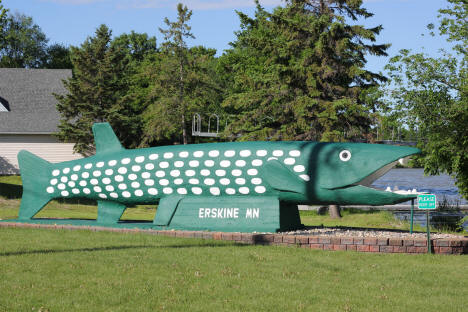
(184, 130)
(334, 211)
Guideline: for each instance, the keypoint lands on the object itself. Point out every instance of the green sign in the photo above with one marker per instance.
(427, 201)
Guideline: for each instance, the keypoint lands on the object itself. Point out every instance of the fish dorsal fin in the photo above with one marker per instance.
(281, 178)
(105, 138)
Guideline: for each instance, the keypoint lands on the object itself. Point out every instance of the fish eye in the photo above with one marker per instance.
(345, 155)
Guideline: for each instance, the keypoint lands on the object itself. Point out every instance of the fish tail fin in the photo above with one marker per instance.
(34, 175)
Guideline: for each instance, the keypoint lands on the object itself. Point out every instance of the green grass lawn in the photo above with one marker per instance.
(60, 270)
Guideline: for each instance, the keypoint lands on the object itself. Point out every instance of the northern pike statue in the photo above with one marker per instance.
(241, 186)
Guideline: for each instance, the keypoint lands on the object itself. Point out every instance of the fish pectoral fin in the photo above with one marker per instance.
(105, 138)
(109, 211)
(166, 209)
(281, 178)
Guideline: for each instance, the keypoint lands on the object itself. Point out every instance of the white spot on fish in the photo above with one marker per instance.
(240, 163)
(179, 164)
(257, 162)
(149, 182)
(229, 153)
(71, 184)
(100, 164)
(74, 177)
(114, 195)
(209, 181)
(83, 183)
(167, 190)
(135, 184)
(139, 193)
(244, 190)
(77, 168)
(261, 153)
(139, 159)
(153, 156)
(164, 182)
(106, 181)
(65, 193)
(85, 175)
(149, 166)
(109, 172)
(299, 168)
(66, 170)
(236, 172)
(122, 186)
(230, 191)
(112, 163)
(64, 179)
(103, 196)
(182, 191)
(260, 189)
(193, 181)
(220, 172)
(136, 168)
(119, 178)
(205, 172)
(213, 153)
(183, 154)
(278, 153)
(50, 189)
(295, 153)
(252, 172)
(245, 153)
(194, 163)
(61, 186)
(126, 194)
(224, 181)
(97, 173)
(86, 190)
(256, 181)
(122, 170)
(209, 163)
(146, 175)
(214, 190)
(164, 164)
(196, 190)
(305, 177)
(272, 158)
(160, 173)
(53, 181)
(225, 163)
(289, 161)
(55, 172)
(125, 161)
(88, 166)
(240, 181)
(75, 191)
(109, 188)
(168, 155)
(97, 189)
(178, 181)
(94, 181)
(152, 191)
(198, 154)
(190, 173)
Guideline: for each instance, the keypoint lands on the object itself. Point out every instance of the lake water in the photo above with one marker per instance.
(442, 186)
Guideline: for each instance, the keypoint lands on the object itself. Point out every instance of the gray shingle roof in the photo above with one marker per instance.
(27, 94)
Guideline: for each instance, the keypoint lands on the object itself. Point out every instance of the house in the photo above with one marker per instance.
(28, 116)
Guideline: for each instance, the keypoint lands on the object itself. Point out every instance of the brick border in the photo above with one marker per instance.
(451, 246)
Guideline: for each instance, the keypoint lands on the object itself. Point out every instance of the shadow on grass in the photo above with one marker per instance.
(54, 251)
(11, 191)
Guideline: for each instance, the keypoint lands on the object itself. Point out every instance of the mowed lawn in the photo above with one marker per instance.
(62, 270)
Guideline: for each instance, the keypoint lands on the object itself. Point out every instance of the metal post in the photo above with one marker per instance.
(428, 233)
(412, 214)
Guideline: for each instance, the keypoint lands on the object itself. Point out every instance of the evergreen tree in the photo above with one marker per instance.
(183, 81)
(298, 72)
(95, 93)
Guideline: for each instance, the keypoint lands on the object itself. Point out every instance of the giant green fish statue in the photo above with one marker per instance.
(239, 186)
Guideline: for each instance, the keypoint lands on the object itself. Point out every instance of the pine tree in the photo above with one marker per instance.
(298, 72)
(95, 93)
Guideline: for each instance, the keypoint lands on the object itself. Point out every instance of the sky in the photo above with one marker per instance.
(214, 22)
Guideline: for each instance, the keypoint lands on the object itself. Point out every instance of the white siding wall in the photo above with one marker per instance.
(44, 146)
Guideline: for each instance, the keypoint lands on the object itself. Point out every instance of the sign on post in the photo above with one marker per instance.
(427, 201)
